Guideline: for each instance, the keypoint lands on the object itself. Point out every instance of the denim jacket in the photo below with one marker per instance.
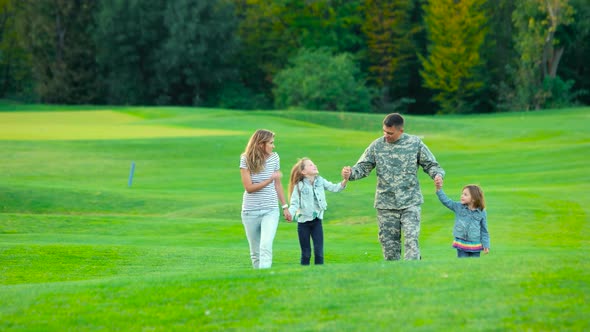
(470, 225)
(305, 198)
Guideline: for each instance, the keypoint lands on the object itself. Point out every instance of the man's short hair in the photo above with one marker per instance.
(394, 120)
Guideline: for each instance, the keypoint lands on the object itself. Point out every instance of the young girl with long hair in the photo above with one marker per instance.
(307, 205)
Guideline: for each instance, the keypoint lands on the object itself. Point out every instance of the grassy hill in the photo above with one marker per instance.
(82, 250)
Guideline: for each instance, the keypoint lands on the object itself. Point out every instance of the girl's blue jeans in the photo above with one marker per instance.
(311, 229)
(463, 253)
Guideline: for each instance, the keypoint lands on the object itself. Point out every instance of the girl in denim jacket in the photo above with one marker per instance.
(471, 229)
(308, 203)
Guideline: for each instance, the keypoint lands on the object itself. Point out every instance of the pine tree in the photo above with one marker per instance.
(389, 34)
(456, 31)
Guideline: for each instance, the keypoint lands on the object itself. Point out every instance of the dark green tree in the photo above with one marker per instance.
(273, 31)
(15, 75)
(498, 51)
(389, 33)
(129, 38)
(57, 33)
(196, 60)
(539, 49)
(576, 36)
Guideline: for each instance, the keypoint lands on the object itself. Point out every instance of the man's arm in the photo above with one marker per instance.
(364, 165)
(428, 162)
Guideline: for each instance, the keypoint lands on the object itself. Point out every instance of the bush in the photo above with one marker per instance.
(318, 80)
(238, 96)
(559, 92)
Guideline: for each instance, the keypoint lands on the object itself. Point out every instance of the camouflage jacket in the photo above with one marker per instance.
(396, 166)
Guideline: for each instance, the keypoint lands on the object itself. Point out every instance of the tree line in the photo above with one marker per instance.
(411, 56)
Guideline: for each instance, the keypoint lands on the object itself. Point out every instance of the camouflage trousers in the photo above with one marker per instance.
(392, 223)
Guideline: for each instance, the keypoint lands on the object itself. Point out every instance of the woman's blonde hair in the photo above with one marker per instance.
(296, 175)
(256, 151)
(476, 192)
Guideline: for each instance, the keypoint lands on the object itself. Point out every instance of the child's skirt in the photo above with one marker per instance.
(470, 246)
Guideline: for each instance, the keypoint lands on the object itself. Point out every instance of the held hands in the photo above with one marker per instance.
(346, 171)
(438, 182)
(287, 215)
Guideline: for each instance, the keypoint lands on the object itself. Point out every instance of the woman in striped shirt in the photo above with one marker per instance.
(261, 177)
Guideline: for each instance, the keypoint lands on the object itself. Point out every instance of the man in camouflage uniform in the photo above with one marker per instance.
(398, 199)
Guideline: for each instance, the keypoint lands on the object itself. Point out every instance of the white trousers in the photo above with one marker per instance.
(261, 228)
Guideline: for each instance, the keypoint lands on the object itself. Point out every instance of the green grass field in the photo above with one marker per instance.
(82, 251)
